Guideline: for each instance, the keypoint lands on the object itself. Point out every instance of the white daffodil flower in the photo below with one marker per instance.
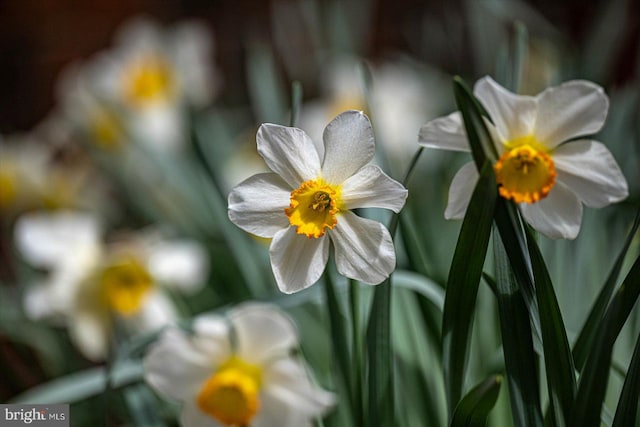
(252, 380)
(306, 204)
(543, 164)
(91, 285)
(142, 86)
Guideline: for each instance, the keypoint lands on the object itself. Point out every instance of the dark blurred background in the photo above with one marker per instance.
(39, 37)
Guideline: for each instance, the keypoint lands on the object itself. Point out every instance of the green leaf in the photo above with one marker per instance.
(381, 405)
(517, 343)
(420, 284)
(474, 408)
(595, 375)
(482, 146)
(463, 282)
(627, 411)
(339, 327)
(587, 334)
(557, 353)
(143, 406)
(81, 385)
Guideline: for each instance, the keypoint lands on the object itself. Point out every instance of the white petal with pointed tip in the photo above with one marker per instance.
(90, 332)
(296, 260)
(47, 240)
(513, 115)
(263, 333)
(348, 146)
(175, 367)
(289, 152)
(575, 108)
(364, 249)
(370, 187)
(588, 169)
(156, 311)
(556, 216)
(446, 133)
(460, 191)
(257, 204)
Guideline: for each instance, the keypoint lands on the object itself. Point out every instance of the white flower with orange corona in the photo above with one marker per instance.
(547, 163)
(236, 371)
(307, 203)
(91, 286)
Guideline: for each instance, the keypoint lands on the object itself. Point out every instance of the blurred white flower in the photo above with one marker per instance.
(542, 166)
(402, 96)
(92, 285)
(32, 177)
(142, 87)
(307, 203)
(238, 371)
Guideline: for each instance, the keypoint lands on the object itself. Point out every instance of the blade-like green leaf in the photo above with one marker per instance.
(339, 327)
(557, 353)
(517, 344)
(463, 282)
(627, 411)
(587, 334)
(515, 243)
(420, 284)
(482, 147)
(381, 405)
(296, 102)
(474, 408)
(595, 375)
(81, 385)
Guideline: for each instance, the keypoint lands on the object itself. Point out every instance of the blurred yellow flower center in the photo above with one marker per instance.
(525, 172)
(149, 79)
(313, 208)
(8, 190)
(125, 284)
(231, 394)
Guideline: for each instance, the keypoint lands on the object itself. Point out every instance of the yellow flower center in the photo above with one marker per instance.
(148, 80)
(8, 188)
(525, 172)
(314, 207)
(125, 284)
(231, 394)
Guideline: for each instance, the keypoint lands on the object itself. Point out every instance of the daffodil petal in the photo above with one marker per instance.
(558, 215)
(297, 261)
(589, 170)
(276, 412)
(211, 337)
(182, 264)
(47, 240)
(175, 367)
(513, 115)
(460, 191)
(288, 380)
(90, 333)
(157, 310)
(446, 133)
(192, 416)
(257, 204)
(370, 187)
(364, 249)
(574, 108)
(262, 332)
(289, 152)
(348, 146)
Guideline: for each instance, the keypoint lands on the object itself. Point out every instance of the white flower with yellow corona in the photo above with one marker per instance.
(236, 371)
(146, 82)
(91, 286)
(306, 204)
(547, 162)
